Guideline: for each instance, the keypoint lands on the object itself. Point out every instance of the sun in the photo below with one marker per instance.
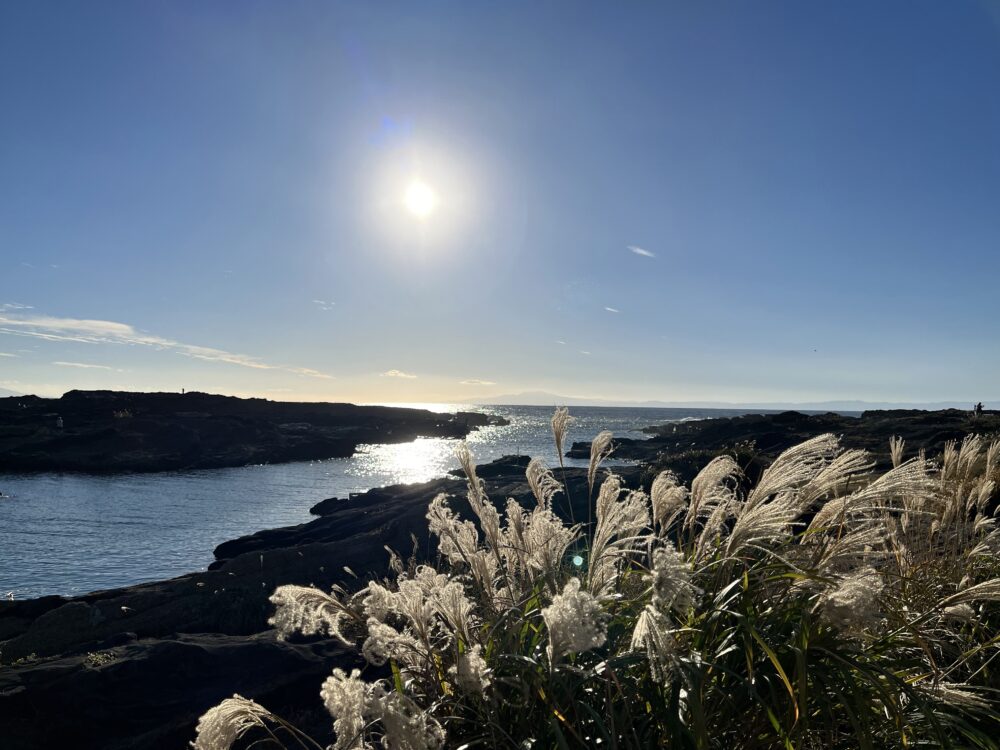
(420, 199)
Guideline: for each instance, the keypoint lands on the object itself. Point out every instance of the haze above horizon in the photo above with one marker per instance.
(780, 203)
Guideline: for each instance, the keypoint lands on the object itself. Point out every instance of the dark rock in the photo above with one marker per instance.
(149, 694)
(325, 507)
(109, 431)
(685, 447)
(498, 468)
(16, 616)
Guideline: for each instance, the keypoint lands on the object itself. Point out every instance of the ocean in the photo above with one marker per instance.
(65, 533)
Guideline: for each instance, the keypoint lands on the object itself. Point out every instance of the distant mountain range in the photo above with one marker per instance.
(4, 393)
(541, 398)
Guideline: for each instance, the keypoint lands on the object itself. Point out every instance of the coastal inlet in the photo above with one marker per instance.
(69, 532)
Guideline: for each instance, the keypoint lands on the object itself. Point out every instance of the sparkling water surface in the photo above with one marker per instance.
(74, 533)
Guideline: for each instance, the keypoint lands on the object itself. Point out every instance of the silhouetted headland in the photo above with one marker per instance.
(112, 431)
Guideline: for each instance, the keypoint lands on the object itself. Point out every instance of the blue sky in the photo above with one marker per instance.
(210, 196)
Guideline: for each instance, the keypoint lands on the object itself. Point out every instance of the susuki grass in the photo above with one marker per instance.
(823, 607)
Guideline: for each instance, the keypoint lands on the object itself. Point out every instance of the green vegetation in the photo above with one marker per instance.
(817, 606)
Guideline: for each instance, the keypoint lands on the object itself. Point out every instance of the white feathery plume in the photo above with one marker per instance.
(835, 475)
(307, 610)
(378, 601)
(841, 553)
(959, 613)
(909, 480)
(988, 591)
(992, 456)
(546, 539)
(619, 523)
(672, 586)
(542, 483)
(979, 494)
(787, 488)
(406, 726)
(385, 642)
(988, 546)
(428, 579)
(765, 523)
(968, 454)
(414, 600)
(457, 609)
(489, 519)
(710, 488)
(852, 605)
(458, 540)
(794, 468)
(669, 499)
(896, 447)
(600, 449)
(345, 697)
(984, 525)
(485, 567)
(513, 539)
(561, 421)
(949, 460)
(220, 726)
(575, 621)
(714, 529)
(652, 634)
(470, 672)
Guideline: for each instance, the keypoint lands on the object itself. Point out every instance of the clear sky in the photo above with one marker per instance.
(677, 201)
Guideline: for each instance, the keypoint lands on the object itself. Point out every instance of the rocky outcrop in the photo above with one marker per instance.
(150, 693)
(109, 431)
(686, 447)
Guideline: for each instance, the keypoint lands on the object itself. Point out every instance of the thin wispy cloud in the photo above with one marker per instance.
(612, 309)
(83, 366)
(642, 251)
(13, 306)
(561, 342)
(475, 381)
(5, 354)
(397, 374)
(308, 372)
(584, 351)
(324, 304)
(83, 331)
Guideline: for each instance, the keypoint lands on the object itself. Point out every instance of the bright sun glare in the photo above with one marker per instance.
(420, 199)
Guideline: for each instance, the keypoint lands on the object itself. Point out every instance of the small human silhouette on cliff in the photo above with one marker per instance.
(978, 409)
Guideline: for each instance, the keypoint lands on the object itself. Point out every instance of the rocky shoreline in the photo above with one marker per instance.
(135, 667)
(112, 431)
